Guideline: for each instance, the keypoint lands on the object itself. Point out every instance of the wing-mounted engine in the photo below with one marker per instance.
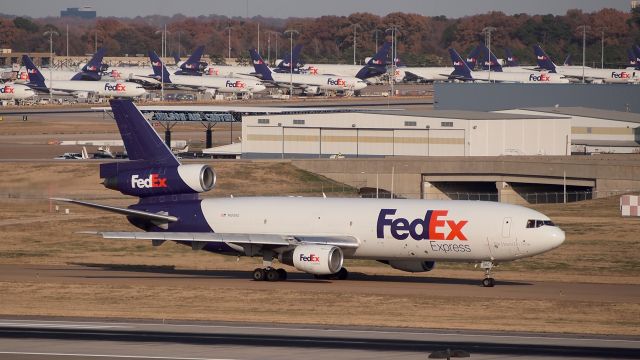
(158, 181)
(413, 266)
(314, 259)
(312, 90)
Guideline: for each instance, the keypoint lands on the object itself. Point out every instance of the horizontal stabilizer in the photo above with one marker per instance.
(123, 211)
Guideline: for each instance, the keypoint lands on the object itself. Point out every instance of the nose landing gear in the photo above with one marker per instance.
(488, 281)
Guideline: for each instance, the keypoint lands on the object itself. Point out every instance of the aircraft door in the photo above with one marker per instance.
(506, 227)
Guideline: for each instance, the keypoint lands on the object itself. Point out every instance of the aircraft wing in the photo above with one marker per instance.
(342, 241)
(122, 211)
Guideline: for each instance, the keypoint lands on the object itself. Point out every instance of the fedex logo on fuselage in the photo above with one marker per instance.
(541, 77)
(337, 82)
(620, 75)
(235, 84)
(434, 226)
(7, 89)
(309, 258)
(117, 87)
(153, 181)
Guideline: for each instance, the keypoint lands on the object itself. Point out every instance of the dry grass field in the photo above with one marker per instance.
(601, 248)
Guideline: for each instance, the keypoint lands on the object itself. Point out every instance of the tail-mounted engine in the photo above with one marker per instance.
(156, 181)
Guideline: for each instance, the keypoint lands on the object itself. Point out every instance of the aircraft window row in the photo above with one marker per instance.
(531, 224)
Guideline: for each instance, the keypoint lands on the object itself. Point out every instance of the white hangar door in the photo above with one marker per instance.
(263, 139)
(302, 141)
(446, 142)
(411, 142)
(338, 141)
(375, 142)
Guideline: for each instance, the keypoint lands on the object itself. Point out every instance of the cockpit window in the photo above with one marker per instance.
(531, 224)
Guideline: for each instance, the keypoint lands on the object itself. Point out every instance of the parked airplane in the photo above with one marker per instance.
(314, 235)
(79, 88)
(193, 66)
(374, 66)
(203, 83)
(11, 91)
(434, 73)
(592, 75)
(310, 84)
(91, 71)
(462, 72)
(284, 65)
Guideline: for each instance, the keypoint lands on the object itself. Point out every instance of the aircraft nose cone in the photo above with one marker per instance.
(555, 238)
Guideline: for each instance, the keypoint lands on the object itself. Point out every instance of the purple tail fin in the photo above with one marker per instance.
(159, 70)
(511, 59)
(489, 60)
(140, 139)
(258, 64)
(543, 59)
(460, 68)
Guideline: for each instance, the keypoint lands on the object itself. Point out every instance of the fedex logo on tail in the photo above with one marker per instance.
(153, 181)
(32, 71)
(258, 62)
(235, 84)
(457, 63)
(434, 226)
(541, 77)
(156, 63)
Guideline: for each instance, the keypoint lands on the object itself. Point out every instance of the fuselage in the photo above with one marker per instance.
(322, 82)
(101, 88)
(220, 84)
(385, 229)
(9, 91)
(605, 75)
(531, 77)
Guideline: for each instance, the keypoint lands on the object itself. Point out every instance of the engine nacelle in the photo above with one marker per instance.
(145, 182)
(314, 259)
(311, 90)
(413, 266)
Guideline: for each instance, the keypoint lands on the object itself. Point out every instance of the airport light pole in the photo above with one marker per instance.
(355, 40)
(584, 46)
(376, 32)
(229, 41)
(50, 34)
(487, 33)
(602, 29)
(392, 78)
(291, 32)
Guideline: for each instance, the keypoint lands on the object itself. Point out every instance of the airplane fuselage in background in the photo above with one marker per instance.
(122, 89)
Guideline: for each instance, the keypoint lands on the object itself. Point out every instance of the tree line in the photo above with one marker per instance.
(421, 40)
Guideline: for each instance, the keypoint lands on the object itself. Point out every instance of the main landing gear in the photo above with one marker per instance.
(269, 274)
(488, 281)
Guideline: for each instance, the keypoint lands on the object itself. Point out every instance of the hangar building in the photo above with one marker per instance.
(402, 133)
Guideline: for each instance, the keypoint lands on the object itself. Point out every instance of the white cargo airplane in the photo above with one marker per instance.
(314, 235)
(80, 88)
(204, 83)
(462, 72)
(591, 75)
(310, 84)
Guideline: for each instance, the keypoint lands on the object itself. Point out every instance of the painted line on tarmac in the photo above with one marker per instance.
(61, 326)
(106, 356)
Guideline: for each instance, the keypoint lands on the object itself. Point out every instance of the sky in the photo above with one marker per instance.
(304, 8)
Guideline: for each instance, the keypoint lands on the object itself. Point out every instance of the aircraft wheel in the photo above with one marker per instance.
(258, 274)
(272, 275)
(342, 274)
(282, 274)
(488, 282)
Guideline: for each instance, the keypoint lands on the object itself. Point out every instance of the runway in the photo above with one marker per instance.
(46, 338)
